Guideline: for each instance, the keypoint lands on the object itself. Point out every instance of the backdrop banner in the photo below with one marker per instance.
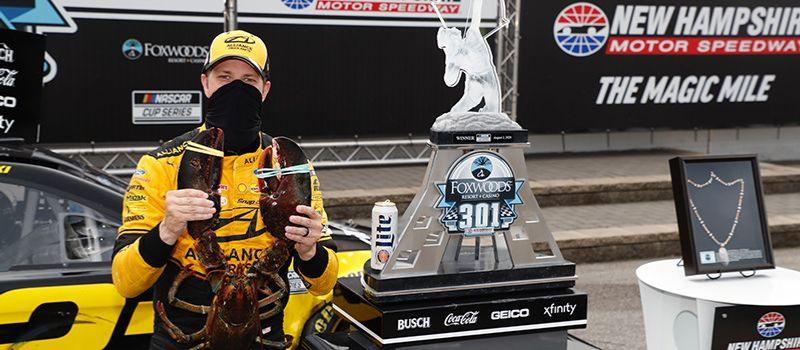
(598, 65)
(21, 60)
(373, 68)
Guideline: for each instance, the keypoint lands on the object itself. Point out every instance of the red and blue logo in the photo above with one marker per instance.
(297, 4)
(581, 29)
(771, 324)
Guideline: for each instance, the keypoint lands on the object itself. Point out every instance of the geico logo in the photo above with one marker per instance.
(506, 314)
(186, 51)
(8, 101)
(173, 98)
(412, 323)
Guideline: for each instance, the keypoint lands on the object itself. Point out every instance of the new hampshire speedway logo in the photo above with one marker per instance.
(479, 195)
(771, 324)
(582, 29)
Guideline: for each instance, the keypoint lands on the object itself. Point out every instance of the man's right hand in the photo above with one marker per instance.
(183, 206)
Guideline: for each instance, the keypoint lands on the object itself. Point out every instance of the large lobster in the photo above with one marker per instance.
(234, 317)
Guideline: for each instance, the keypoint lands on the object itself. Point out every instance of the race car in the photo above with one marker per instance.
(58, 222)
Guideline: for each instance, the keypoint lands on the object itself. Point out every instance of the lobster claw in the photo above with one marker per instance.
(284, 183)
(201, 169)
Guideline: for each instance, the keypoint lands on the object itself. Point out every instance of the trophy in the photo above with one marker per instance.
(472, 253)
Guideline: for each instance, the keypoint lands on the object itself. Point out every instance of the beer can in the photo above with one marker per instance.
(384, 233)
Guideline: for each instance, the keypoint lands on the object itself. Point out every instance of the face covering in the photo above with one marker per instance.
(236, 109)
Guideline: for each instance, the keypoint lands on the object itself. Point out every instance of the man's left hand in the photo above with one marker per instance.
(307, 233)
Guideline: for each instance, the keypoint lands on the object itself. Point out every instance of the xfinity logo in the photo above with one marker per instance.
(6, 53)
(508, 314)
(412, 323)
(470, 317)
(8, 101)
(560, 309)
(5, 124)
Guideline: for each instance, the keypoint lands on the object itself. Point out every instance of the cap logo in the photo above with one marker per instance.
(240, 39)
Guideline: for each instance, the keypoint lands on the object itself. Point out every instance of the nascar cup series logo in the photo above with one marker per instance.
(771, 324)
(479, 195)
(581, 29)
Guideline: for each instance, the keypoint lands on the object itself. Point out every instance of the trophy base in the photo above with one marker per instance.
(555, 340)
(419, 321)
(557, 275)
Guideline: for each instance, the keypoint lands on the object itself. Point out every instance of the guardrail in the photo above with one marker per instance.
(121, 161)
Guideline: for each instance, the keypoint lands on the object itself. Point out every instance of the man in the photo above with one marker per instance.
(153, 245)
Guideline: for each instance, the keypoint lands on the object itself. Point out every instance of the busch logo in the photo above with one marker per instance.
(560, 309)
(412, 323)
(6, 53)
(470, 317)
(8, 77)
(506, 314)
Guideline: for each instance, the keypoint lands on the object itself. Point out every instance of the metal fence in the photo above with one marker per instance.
(122, 161)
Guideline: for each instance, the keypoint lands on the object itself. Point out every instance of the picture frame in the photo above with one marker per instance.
(722, 220)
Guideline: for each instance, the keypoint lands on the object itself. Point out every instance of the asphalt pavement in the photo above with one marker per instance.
(615, 310)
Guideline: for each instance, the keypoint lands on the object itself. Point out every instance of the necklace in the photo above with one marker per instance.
(723, 253)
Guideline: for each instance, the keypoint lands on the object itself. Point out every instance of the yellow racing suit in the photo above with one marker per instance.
(141, 260)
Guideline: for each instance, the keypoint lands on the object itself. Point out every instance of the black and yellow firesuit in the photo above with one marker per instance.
(141, 260)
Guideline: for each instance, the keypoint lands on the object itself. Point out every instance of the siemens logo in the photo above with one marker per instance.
(509, 314)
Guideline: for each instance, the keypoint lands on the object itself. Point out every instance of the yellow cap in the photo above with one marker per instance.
(240, 45)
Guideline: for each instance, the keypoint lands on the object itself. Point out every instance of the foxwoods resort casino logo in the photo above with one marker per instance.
(771, 324)
(132, 49)
(581, 29)
(479, 195)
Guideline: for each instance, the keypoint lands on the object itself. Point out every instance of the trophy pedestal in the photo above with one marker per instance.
(559, 275)
(539, 314)
(474, 259)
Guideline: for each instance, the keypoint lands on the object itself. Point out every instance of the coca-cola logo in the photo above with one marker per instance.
(470, 317)
(8, 77)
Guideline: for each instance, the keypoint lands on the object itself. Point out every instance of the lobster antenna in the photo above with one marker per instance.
(438, 14)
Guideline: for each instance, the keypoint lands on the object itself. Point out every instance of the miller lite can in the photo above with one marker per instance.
(384, 233)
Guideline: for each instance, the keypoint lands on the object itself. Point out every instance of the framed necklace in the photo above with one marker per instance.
(723, 253)
(715, 237)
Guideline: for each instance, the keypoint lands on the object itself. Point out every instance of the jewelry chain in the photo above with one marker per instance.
(712, 178)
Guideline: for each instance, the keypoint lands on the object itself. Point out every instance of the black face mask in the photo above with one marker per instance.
(236, 109)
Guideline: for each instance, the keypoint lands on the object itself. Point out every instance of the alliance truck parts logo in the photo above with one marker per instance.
(583, 29)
